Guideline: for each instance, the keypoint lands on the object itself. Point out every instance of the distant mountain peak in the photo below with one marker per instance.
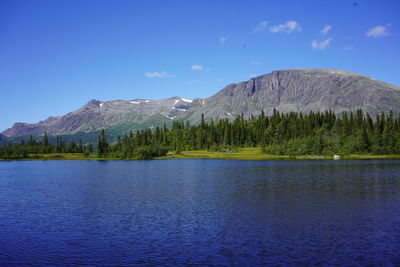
(300, 90)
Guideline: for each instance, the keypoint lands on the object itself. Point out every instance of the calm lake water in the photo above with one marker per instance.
(200, 212)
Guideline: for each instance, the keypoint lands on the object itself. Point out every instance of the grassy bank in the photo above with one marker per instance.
(255, 154)
(240, 154)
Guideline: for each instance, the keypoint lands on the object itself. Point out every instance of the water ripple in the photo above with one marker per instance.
(199, 212)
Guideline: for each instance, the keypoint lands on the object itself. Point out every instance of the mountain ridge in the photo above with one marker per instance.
(300, 90)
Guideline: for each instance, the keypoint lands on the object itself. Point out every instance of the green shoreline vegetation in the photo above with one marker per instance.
(279, 136)
(241, 154)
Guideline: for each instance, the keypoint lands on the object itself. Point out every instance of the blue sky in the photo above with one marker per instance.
(57, 55)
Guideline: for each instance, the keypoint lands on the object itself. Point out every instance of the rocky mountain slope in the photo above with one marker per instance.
(302, 90)
(286, 90)
(120, 114)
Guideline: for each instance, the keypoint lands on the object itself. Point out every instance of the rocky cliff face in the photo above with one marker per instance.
(286, 90)
(302, 91)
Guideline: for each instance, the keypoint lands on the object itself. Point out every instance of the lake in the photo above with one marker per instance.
(200, 212)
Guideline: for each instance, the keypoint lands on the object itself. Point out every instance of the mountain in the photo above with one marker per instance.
(118, 117)
(301, 90)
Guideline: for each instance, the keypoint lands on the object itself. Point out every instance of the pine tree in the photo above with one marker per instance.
(102, 145)
(45, 140)
(80, 147)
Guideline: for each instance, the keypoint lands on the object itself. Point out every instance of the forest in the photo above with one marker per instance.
(316, 133)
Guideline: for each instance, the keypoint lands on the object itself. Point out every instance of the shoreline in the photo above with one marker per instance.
(241, 154)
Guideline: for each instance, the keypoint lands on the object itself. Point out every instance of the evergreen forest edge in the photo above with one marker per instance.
(317, 133)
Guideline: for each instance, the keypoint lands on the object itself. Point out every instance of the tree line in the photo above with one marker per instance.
(43, 146)
(280, 134)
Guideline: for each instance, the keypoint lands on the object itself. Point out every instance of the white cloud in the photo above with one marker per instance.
(261, 26)
(197, 67)
(223, 39)
(162, 74)
(377, 31)
(252, 75)
(349, 47)
(325, 30)
(255, 63)
(288, 27)
(321, 45)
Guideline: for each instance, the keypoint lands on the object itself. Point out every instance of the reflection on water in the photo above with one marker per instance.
(206, 212)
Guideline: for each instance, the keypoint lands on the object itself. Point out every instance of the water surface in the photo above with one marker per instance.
(201, 212)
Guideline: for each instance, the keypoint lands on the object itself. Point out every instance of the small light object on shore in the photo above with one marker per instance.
(336, 157)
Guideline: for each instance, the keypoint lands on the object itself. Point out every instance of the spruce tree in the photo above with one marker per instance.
(45, 140)
(102, 145)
